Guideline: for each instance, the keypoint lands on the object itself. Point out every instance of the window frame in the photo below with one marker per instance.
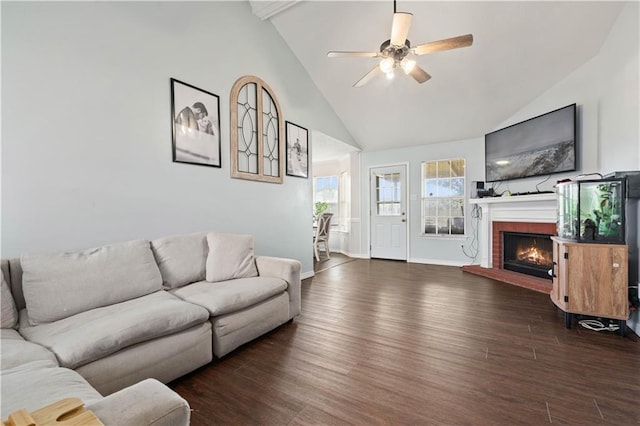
(233, 107)
(336, 219)
(396, 199)
(424, 197)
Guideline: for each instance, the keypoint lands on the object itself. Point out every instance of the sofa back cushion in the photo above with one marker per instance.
(60, 285)
(9, 313)
(230, 256)
(181, 258)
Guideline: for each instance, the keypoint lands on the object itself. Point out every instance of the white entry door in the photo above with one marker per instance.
(389, 212)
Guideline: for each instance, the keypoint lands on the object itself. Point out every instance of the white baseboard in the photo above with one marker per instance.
(354, 255)
(305, 275)
(411, 260)
(437, 262)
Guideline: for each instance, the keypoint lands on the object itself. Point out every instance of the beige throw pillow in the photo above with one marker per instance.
(181, 258)
(9, 312)
(230, 256)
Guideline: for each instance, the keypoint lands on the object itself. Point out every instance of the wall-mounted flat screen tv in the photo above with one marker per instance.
(540, 146)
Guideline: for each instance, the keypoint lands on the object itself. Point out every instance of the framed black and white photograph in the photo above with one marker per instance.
(195, 117)
(297, 150)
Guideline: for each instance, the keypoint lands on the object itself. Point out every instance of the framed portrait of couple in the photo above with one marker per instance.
(297, 150)
(195, 119)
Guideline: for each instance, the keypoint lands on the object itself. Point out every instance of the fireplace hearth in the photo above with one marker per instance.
(527, 253)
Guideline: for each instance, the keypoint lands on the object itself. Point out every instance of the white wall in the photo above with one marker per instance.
(423, 249)
(607, 93)
(618, 72)
(86, 136)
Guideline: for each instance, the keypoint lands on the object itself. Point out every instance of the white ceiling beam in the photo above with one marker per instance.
(265, 9)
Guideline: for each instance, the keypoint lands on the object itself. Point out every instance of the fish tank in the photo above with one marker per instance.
(592, 211)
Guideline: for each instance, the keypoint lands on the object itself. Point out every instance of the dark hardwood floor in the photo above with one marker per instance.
(384, 342)
(325, 263)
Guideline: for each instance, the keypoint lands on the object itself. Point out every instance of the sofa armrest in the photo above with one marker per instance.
(288, 270)
(146, 403)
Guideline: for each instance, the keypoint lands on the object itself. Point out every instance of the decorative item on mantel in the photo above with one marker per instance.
(256, 129)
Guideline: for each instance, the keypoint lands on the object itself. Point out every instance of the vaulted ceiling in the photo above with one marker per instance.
(520, 50)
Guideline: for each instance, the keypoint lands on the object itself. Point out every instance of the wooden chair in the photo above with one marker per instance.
(322, 234)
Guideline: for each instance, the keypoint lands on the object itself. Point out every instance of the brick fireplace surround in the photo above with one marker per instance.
(526, 227)
(525, 213)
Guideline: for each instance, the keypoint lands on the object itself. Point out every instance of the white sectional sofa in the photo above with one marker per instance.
(109, 324)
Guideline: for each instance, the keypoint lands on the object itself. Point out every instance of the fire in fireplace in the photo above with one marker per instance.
(530, 254)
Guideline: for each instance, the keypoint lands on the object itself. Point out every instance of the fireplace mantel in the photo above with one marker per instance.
(535, 208)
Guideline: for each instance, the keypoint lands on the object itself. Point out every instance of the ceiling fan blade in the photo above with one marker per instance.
(446, 44)
(400, 28)
(368, 77)
(339, 54)
(419, 74)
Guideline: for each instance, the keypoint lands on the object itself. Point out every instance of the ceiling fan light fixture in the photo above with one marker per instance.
(387, 65)
(408, 64)
(397, 52)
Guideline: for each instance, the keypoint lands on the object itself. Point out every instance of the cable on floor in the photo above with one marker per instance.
(596, 325)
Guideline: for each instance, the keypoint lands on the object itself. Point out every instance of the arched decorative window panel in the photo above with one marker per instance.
(256, 129)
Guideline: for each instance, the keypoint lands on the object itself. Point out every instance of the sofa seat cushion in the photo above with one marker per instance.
(237, 328)
(94, 334)
(229, 296)
(32, 387)
(60, 285)
(16, 351)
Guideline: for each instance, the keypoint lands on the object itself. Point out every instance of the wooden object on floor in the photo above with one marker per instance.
(591, 279)
(66, 412)
(510, 277)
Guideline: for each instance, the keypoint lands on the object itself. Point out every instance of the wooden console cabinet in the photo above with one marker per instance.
(591, 279)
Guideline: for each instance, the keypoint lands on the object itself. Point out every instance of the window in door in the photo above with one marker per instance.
(443, 184)
(388, 197)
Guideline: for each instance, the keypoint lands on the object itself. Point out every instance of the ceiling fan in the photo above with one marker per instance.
(398, 53)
